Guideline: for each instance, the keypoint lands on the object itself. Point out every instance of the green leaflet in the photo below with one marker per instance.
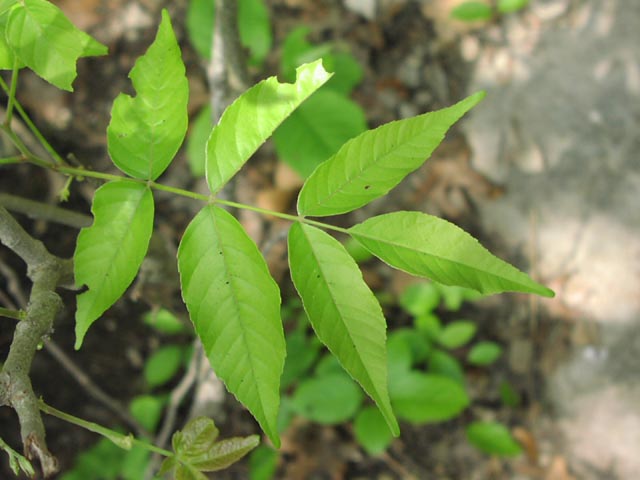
(109, 253)
(371, 164)
(252, 118)
(235, 307)
(146, 131)
(343, 311)
(47, 42)
(431, 247)
(7, 57)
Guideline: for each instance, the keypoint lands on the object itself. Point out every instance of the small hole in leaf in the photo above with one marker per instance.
(367, 187)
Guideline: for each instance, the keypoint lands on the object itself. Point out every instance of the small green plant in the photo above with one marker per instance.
(426, 380)
(482, 11)
(233, 302)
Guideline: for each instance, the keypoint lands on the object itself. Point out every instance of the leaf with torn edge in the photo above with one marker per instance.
(109, 253)
(249, 121)
(147, 130)
(46, 41)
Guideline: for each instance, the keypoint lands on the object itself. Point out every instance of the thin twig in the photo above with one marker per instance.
(46, 271)
(44, 211)
(92, 389)
(76, 372)
(14, 314)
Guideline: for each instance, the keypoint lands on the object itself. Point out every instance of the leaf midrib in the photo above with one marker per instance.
(457, 263)
(369, 165)
(335, 304)
(237, 310)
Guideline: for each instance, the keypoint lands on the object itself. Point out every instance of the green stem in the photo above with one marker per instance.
(197, 196)
(285, 216)
(122, 441)
(14, 159)
(36, 132)
(15, 314)
(81, 172)
(60, 166)
(19, 144)
(179, 191)
(12, 92)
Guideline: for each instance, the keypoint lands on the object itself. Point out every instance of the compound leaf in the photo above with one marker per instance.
(343, 311)
(371, 164)
(252, 118)
(46, 41)
(429, 246)
(109, 253)
(146, 131)
(235, 307)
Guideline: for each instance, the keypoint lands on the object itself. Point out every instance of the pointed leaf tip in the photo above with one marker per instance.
(431, 247)
(343, 311)
(146, 131)
(371, 164)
